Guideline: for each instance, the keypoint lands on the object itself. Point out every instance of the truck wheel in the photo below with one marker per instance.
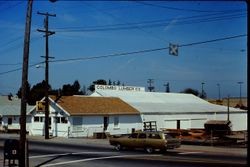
(118, 147)
(149, 150)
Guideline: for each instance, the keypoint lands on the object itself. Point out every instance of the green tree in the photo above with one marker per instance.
(37, 92)
(97, 82)
(191, 91)
(74, 89)
(19, 93)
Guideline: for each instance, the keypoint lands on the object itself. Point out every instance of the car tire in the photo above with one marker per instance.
(118, 147)
(163, 151)
(149, 150)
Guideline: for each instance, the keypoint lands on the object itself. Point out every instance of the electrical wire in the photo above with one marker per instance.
(152, 23)
(11, 6)
(131, 53)
(19, 69)
(183, 9)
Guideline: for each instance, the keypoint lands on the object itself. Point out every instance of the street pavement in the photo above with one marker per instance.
(105, 144)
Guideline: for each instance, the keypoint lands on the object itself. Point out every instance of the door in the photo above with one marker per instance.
(178, 124)
(105, 123)
(50, 128)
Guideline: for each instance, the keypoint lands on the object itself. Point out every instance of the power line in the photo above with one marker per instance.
(154, 23)
(9, 64)
(148, 50)
(16, 45)
(184, 9)
(137, 27)
(19, 69)
(11, 6)
(213, 40)
(133, 52)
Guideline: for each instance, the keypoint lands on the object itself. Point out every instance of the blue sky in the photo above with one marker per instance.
(88, 29)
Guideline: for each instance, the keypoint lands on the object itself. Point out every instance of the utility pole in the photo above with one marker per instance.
(202, 90)
(167, 87)
(22, 144)
(218, 91)
(228, 104)
(240, 102)
(47, 34)
(248, 57)
(150, 87)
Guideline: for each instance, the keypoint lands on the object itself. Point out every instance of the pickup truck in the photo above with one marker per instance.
(150, 141)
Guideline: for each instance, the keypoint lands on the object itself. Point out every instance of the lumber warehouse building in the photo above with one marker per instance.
(173, 110)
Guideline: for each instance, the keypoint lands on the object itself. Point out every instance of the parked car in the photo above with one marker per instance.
(150, 141)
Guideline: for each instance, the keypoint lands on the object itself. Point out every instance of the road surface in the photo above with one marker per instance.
(98, 153)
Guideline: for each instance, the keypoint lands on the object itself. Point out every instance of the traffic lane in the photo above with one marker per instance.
(85, 154)
(135, 158)
(39, 148)
(65, 149)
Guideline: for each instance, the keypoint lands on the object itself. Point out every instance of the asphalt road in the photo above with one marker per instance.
(98, 153)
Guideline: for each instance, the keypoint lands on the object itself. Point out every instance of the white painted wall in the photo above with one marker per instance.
(192, 121)
(86, 126)
(15, 122)
(95, 124)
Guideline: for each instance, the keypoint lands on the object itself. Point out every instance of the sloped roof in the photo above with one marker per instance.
(86, 105)
(11, 107)
(164, 103)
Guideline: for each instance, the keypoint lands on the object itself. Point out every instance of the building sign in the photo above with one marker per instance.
(119, 88)
(40, 106)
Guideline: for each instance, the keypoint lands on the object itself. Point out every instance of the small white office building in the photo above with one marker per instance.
(173, 110)
(84, 116)
(10, 109)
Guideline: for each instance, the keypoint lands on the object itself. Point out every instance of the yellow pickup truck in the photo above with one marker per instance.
(150, 141)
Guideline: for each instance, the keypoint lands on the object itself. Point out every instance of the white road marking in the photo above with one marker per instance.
(186, 153)
(98, 158)
(76, 153)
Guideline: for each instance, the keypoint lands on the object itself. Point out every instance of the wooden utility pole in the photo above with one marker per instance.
(22, 143)
(47, 34)
(248, 57)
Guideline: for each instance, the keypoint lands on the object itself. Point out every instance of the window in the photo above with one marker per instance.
(9, 121)
(57, 119)
(42, 119)
(1, 119)
(133, 135)
(64, 120)
(142, 136)
(154, 136)
(36, 119)
(116, 122)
